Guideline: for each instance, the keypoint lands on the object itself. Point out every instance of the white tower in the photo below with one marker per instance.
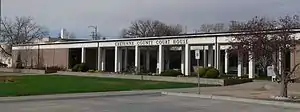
(64, 34)
(62, 31)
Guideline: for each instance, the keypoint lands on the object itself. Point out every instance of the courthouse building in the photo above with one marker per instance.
(151, 54)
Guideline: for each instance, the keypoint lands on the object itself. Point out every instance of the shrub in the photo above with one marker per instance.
(75, 68)
(202, 71)
(83, 67)
(80, 68)
(212, 73)
(171, 72)
(91, 70)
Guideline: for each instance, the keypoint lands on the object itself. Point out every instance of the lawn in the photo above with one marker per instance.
(42, 84)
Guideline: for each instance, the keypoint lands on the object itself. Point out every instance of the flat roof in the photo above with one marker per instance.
(193, 35)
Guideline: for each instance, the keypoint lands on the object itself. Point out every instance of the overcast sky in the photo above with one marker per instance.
(111, 16)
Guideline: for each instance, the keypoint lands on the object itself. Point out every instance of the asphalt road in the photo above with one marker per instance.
(140, 103)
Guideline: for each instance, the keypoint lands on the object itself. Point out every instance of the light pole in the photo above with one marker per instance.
(95, 33)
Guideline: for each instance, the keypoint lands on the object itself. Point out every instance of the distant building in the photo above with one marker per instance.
(4, 58)
(45, 40)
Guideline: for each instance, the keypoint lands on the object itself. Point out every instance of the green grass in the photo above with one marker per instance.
(41, 84)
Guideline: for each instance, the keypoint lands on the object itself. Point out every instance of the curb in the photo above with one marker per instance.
(227, 98)
(75, 96)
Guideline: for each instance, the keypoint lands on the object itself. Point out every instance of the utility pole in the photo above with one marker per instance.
(95, 32)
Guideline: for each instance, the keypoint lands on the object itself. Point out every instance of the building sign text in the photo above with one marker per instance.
(153, 42)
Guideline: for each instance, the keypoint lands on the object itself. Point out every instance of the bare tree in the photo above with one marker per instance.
(207, 28)
(284, 43)
(268, 41)
(252, 42)
(151, 28)
(22, 30)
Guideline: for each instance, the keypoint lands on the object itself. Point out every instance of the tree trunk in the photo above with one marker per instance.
(265, 70)
(284, 78)
(283, 88)
(283, 81)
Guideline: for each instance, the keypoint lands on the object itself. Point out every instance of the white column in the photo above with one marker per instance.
(217, 57)
(82, 55)
(187, 60)
(137, 59)
(204, 57)
(120, 60)
(240, 65)
(125, 59)
(103, 59)
(226, 61)
(182, 60)
(210, 56)
(161, 60)
(116, 58)
(99, 59)
(167, 58)
(280, 62)
(148, 60)
(251, 66)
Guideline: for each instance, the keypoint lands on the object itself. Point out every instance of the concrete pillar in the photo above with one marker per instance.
(217, 57)
(204, 57)
(120, 60)
(167, 56)
(161, 60)
(125, 59)
(251, 66)
(99, 59)
(182, 60)
(187, 60)
(116, 58)
(82, 55)
(280, 62)
(148, 60)
(103, 59)
(226, 61)
(240, 65)
(137, 59)
(210, 56)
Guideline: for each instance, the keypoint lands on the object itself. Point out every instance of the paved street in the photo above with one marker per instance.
(141, 103)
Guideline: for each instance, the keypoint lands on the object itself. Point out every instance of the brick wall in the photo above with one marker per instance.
(47, 57)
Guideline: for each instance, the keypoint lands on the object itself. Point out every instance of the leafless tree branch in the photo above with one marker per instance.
(150, 28)
(21, 30)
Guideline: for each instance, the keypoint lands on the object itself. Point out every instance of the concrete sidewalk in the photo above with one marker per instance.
(253, 90)
(259, 92)
(244, 100)
(77, 96)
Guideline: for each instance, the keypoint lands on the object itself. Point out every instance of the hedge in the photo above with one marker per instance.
(171, 72)
(80, 68)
